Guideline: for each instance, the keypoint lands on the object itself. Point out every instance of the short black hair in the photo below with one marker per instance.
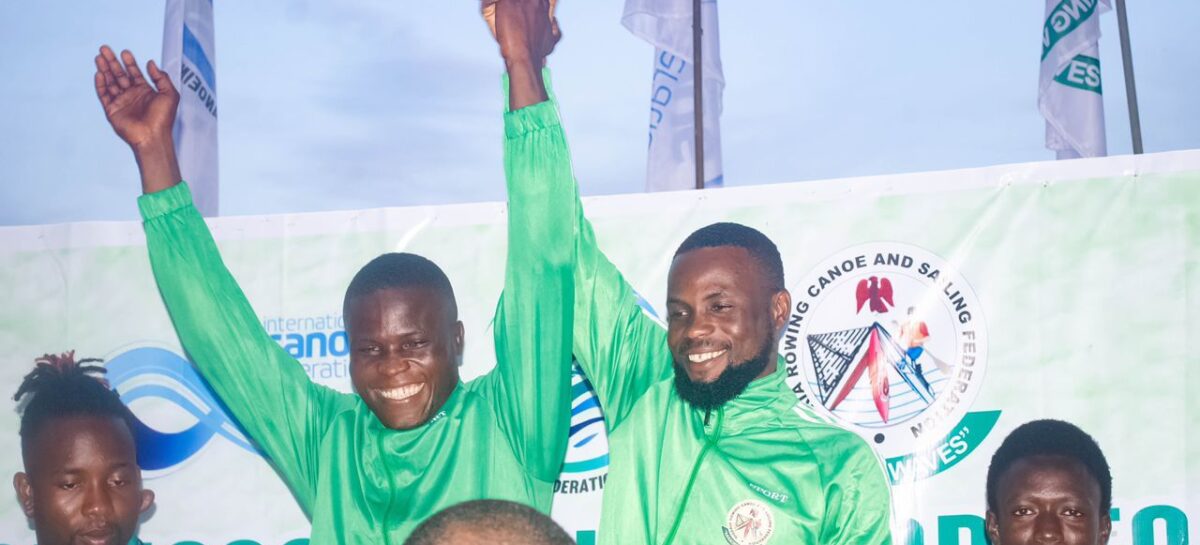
(735, 234)
(60, 387)
(497, 518)
(1050, 438)
(400, 270)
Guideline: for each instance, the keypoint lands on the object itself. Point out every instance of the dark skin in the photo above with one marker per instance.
(1048, 499)
(405, 344)
(82, 484)
(526, 34)
(720, 310)
(142, 114)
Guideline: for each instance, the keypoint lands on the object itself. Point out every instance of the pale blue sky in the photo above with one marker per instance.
(357, 104)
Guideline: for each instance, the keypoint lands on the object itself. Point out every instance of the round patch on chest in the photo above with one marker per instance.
(749, 523)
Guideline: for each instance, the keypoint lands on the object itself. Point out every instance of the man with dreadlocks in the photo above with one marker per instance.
(370, 467)
(81, 483)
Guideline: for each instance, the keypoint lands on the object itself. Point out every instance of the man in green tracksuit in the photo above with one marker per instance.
(368, 468)
(707, 443)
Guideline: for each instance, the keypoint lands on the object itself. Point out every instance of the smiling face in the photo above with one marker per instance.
(1048, 499)
(404, 349)
(721, 313)
(83, 485)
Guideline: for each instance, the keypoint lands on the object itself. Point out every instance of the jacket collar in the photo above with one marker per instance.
(763, 399)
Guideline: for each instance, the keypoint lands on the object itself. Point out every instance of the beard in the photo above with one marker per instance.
(729, 384)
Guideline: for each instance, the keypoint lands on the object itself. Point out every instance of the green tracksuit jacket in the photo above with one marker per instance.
(763, 470)
(500, 436)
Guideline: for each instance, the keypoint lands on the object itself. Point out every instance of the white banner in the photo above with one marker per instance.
(1070, 96)
(189, 57)
(667, 25)
(1065, 290)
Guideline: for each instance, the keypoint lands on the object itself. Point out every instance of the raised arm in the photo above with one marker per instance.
(531, 384)
(620, 349)
(263, 387)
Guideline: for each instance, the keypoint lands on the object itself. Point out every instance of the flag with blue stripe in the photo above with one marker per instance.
(667, 25)
(189, 58)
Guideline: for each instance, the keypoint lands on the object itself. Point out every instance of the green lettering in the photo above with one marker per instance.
(1143, 525)
(916, 534)
(950, 528)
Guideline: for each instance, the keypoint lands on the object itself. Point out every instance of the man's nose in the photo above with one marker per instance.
(698, 328)
(394, 364)
(97, 500)
(1047, 527)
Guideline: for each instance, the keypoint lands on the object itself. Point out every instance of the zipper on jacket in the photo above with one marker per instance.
(387, 513)
(709, 442)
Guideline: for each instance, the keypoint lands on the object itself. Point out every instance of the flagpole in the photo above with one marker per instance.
(1135, 124)
(698, 86)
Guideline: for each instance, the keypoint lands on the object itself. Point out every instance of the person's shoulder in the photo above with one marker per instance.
(825, 437)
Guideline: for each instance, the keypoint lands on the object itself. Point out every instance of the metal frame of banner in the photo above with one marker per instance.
(698, 92)
(1135, 124)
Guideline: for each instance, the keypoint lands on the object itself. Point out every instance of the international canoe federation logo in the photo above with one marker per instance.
(587, 446)
(889, 339)
(748, 523)
(176, 416)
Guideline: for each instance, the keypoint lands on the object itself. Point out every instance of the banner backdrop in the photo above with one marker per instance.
(984, 298)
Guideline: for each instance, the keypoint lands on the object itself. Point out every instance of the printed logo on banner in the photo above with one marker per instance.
(158, 375)
(584, 469)
(748, 523)
(889, 339)
(319, 342)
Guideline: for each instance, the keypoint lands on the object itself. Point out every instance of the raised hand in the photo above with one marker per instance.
(141, 114)
(527, 32)
(138, 111)
(525, 29)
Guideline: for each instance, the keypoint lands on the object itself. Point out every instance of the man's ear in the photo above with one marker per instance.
(991, 527)
(24, 492)
(147, 500)
(459, 338)
(1105, 527)
(781, 308)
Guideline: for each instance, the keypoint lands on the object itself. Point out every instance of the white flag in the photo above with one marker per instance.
(189, 58)
(667, 25)
(1069, 90)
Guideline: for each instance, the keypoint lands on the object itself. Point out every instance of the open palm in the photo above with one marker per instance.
(138, 112)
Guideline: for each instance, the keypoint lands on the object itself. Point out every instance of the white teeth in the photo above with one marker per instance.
(701, 358)
(403, 392)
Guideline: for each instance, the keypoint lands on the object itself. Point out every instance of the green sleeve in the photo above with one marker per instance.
(621, 349)
(858, 501)
(265, 388)
(531, 384)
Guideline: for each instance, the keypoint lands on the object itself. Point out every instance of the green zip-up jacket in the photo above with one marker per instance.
(500, 436)
(764, 469)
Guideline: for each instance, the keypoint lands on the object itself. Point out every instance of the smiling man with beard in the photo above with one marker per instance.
(368, 468)
(720, 452)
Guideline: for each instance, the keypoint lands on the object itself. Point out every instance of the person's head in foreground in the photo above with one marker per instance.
(405, 338)
(82, 483)
(1049, 483)
(489, 522)
(726, 307)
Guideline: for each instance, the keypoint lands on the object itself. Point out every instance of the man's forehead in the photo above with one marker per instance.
(731, 266)
(417, 298)
(1032, 472)
(80, 443)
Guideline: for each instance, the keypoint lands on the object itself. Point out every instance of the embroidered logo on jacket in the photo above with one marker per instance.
(749, 523)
